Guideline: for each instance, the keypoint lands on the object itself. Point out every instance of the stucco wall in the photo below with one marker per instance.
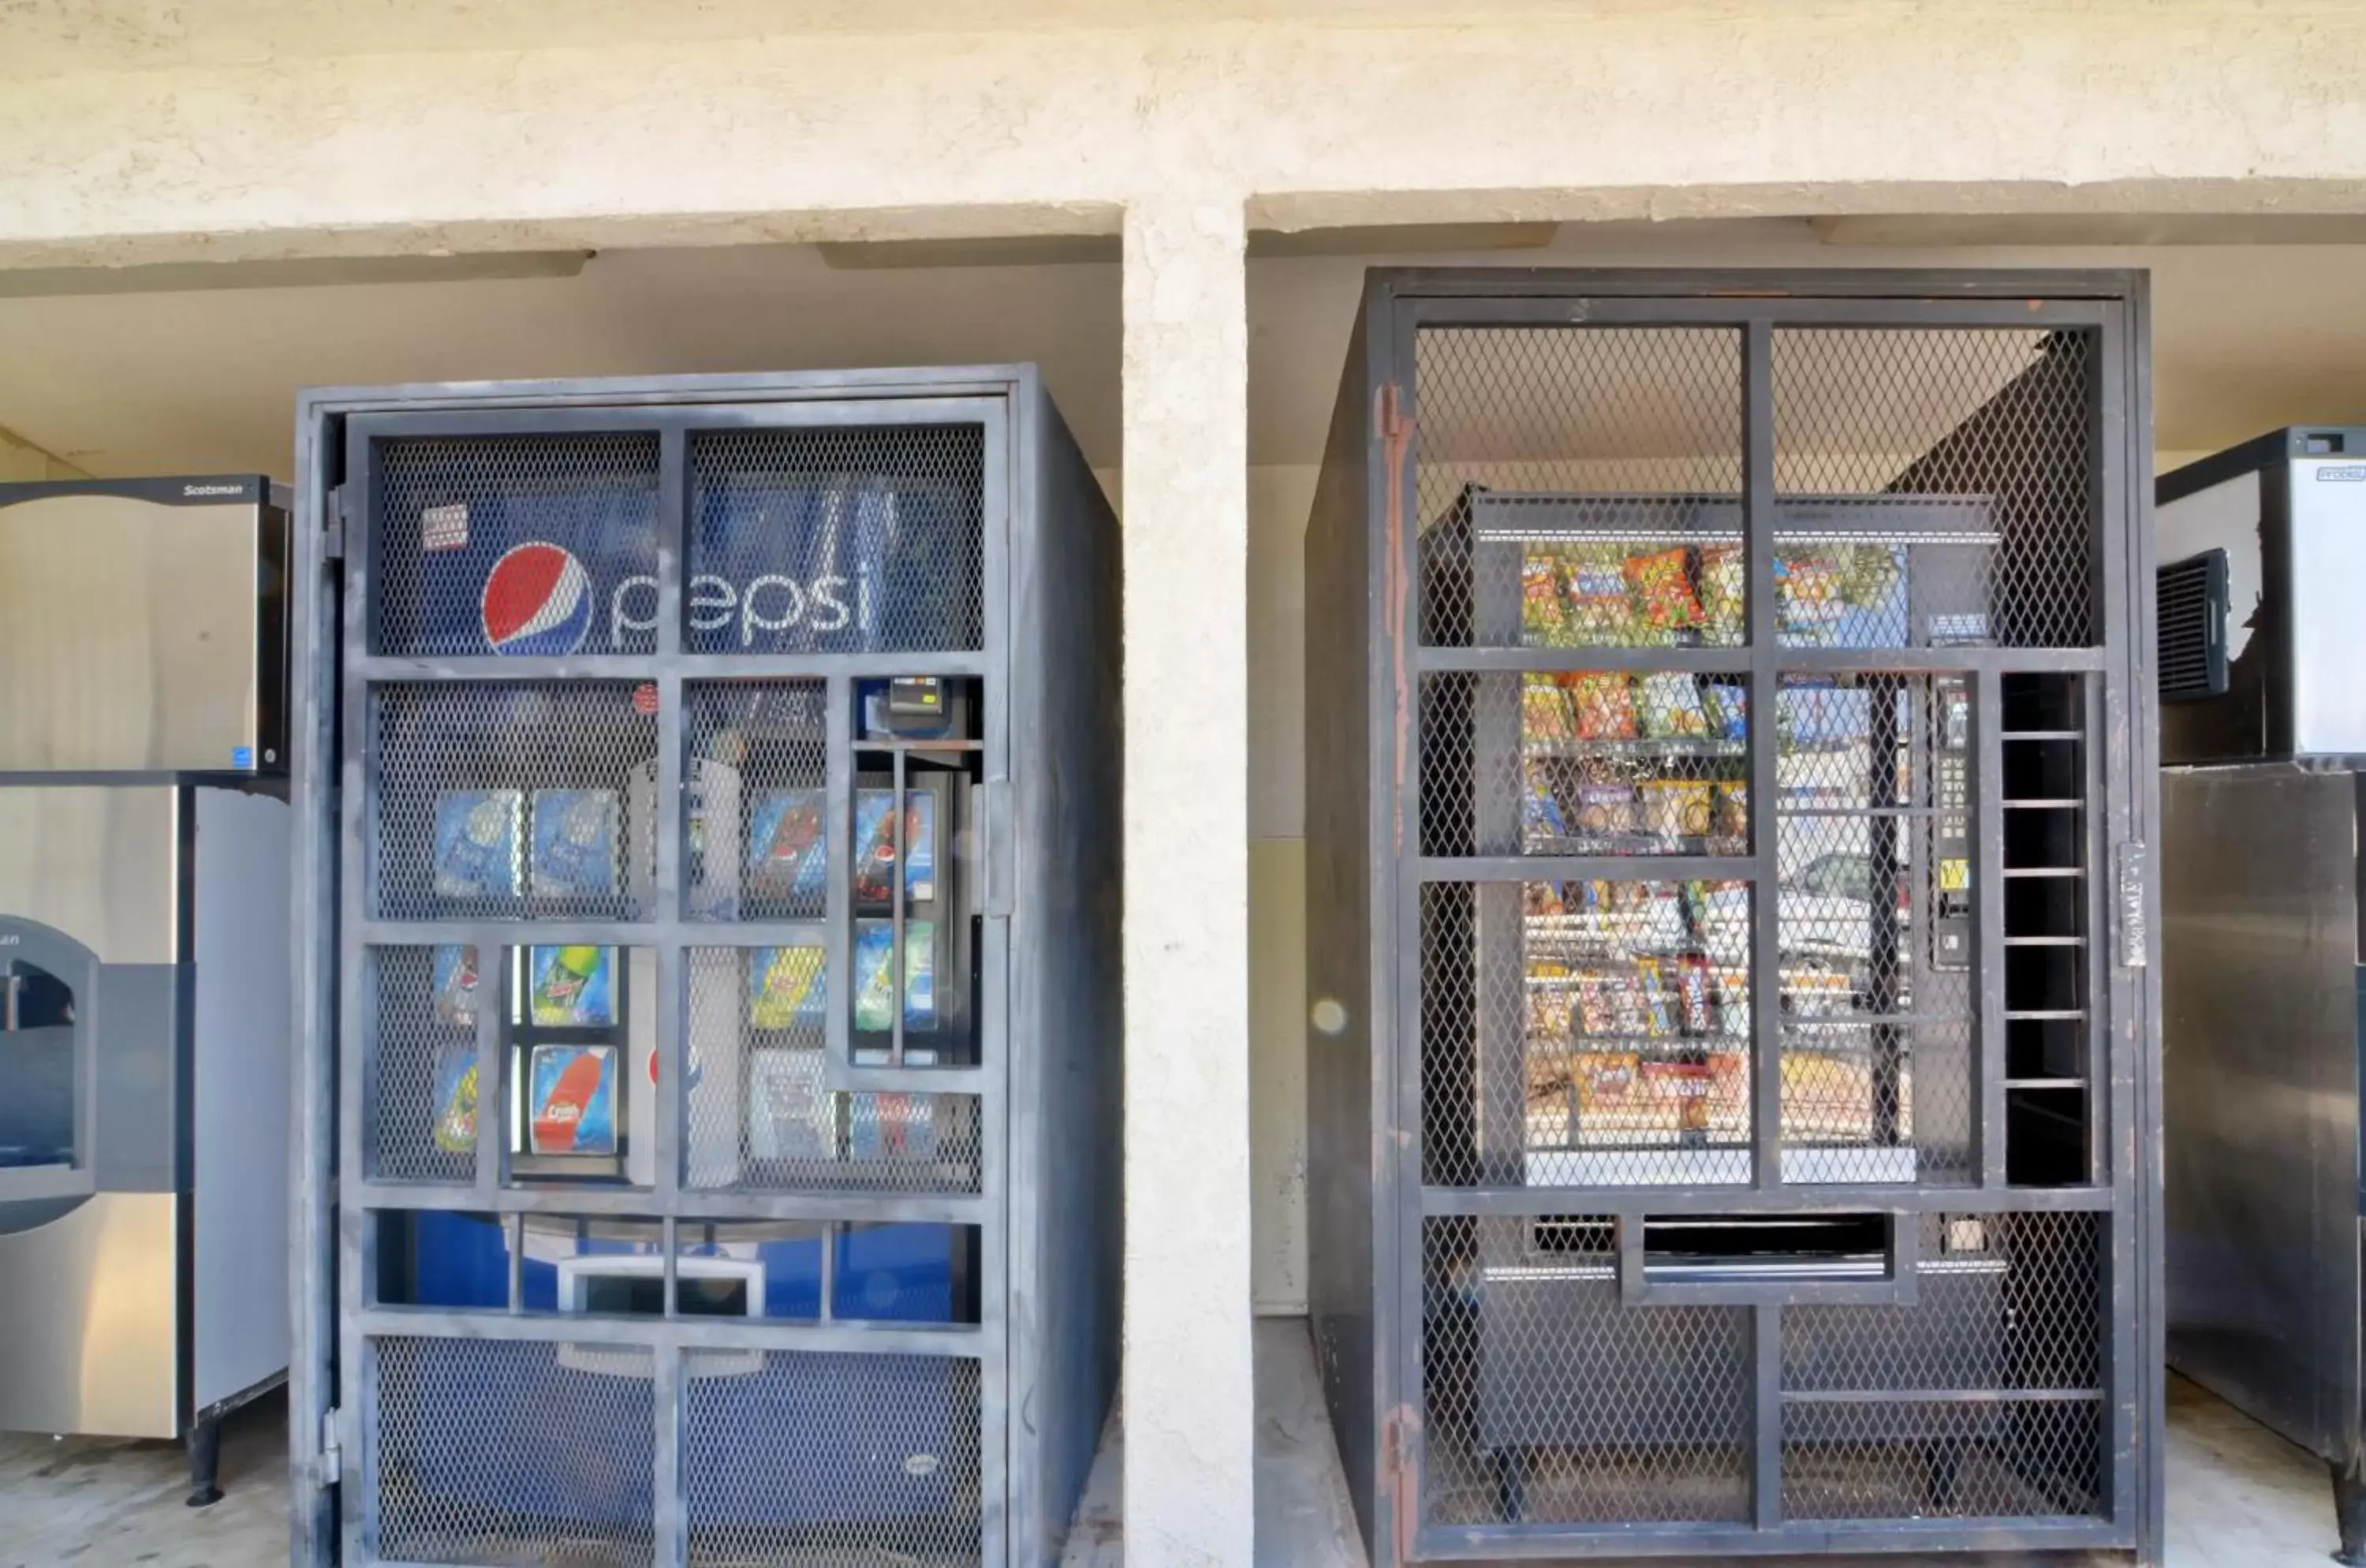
(1572, 110)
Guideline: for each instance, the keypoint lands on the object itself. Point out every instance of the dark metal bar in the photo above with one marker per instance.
(1793, 1199)
(1987, 935)
(1581, 304)
(1765, 783)
(1766, 1416)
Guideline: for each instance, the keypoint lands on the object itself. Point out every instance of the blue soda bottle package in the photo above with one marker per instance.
(786, 858)
(875, 861)
(575, 843)
(477, 843)
(453, 986)
(890, 1126)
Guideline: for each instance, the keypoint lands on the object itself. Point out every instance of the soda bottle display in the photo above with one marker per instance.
(572, 988)
(571, 1103)
(477, 834)
(574, 841)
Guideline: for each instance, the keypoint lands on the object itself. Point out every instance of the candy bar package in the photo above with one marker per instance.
(875, 992)
(789, 1115)
(1665, 599)
(1650, 984)
(455, 1131)
(1727, 705)
(1540, 817)
(1605, 809)
(1551, 1000)
(1593, 1012)
(1604, 705)
(785, 989)
(1601, 611)
(1696, 995)
(1675, 810)
(1544, 610)
(1544, 710)
(573, 987)
(1724, 573)
(575, 843)
(1671, 707)
(874, 858)
(571, 1100)
(453, 986)
(787, 862)
(478, 839)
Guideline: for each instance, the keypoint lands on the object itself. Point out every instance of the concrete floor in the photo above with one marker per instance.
(2238, 1495)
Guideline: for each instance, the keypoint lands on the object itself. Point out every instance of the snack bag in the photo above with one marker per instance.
(1544, 611)
(1695, 998)
(785, 988)
(1604, 705)
(1544, 710)
(1593, 1014)
(1729, 817)
(1724, 578)
(1663, 593)
(1808, 595)
(1605, 810)
(1600, 610)
(1727, 705)
(1671, 706)
(1541, 815)
(1652, 993)
(1675, 810)
(1606, 1081)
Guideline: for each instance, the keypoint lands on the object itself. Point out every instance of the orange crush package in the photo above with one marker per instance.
(1605, 705)
(1664, 592)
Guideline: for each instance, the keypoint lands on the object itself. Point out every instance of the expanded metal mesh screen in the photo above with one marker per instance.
(420, 1124)
(1600, 763)
(1986, 436)
(491, 793)
(1549, 1403)
(759, 1115)
(508, 801)
(833, 1461)
(1875, 925)
(499, 1453)
(1586, 1034)
(515, 545)
(827, 540)
(1590, 1045)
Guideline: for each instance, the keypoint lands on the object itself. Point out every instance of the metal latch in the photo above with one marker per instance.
(332, 1465)
(2135, 925)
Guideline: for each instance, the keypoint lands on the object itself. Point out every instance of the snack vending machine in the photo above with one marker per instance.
(721, 989)
(144, 843)
(1730, 1108)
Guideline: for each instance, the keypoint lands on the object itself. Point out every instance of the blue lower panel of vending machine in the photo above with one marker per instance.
(545, 1431)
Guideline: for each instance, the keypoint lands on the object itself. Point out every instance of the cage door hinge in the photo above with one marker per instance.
(332, 1461)
(333, 525)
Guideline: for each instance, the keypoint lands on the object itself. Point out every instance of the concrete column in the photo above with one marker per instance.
(1188, 1425)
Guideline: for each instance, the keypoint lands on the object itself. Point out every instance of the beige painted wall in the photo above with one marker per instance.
(20, 460)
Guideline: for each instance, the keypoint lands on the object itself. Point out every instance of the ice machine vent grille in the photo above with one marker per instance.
(2192, 661)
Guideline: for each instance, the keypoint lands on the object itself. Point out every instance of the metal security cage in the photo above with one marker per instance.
(709, 888)
(1732, 1081)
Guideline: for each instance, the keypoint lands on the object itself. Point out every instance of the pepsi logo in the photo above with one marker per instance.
(537, 602)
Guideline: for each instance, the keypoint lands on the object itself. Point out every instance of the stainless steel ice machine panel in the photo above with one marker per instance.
(143, 626)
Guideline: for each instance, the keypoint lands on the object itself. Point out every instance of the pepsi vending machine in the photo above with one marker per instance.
(712, 1023)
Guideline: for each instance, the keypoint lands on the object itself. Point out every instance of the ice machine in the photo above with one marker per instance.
(144, 842)
(2262, 552)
